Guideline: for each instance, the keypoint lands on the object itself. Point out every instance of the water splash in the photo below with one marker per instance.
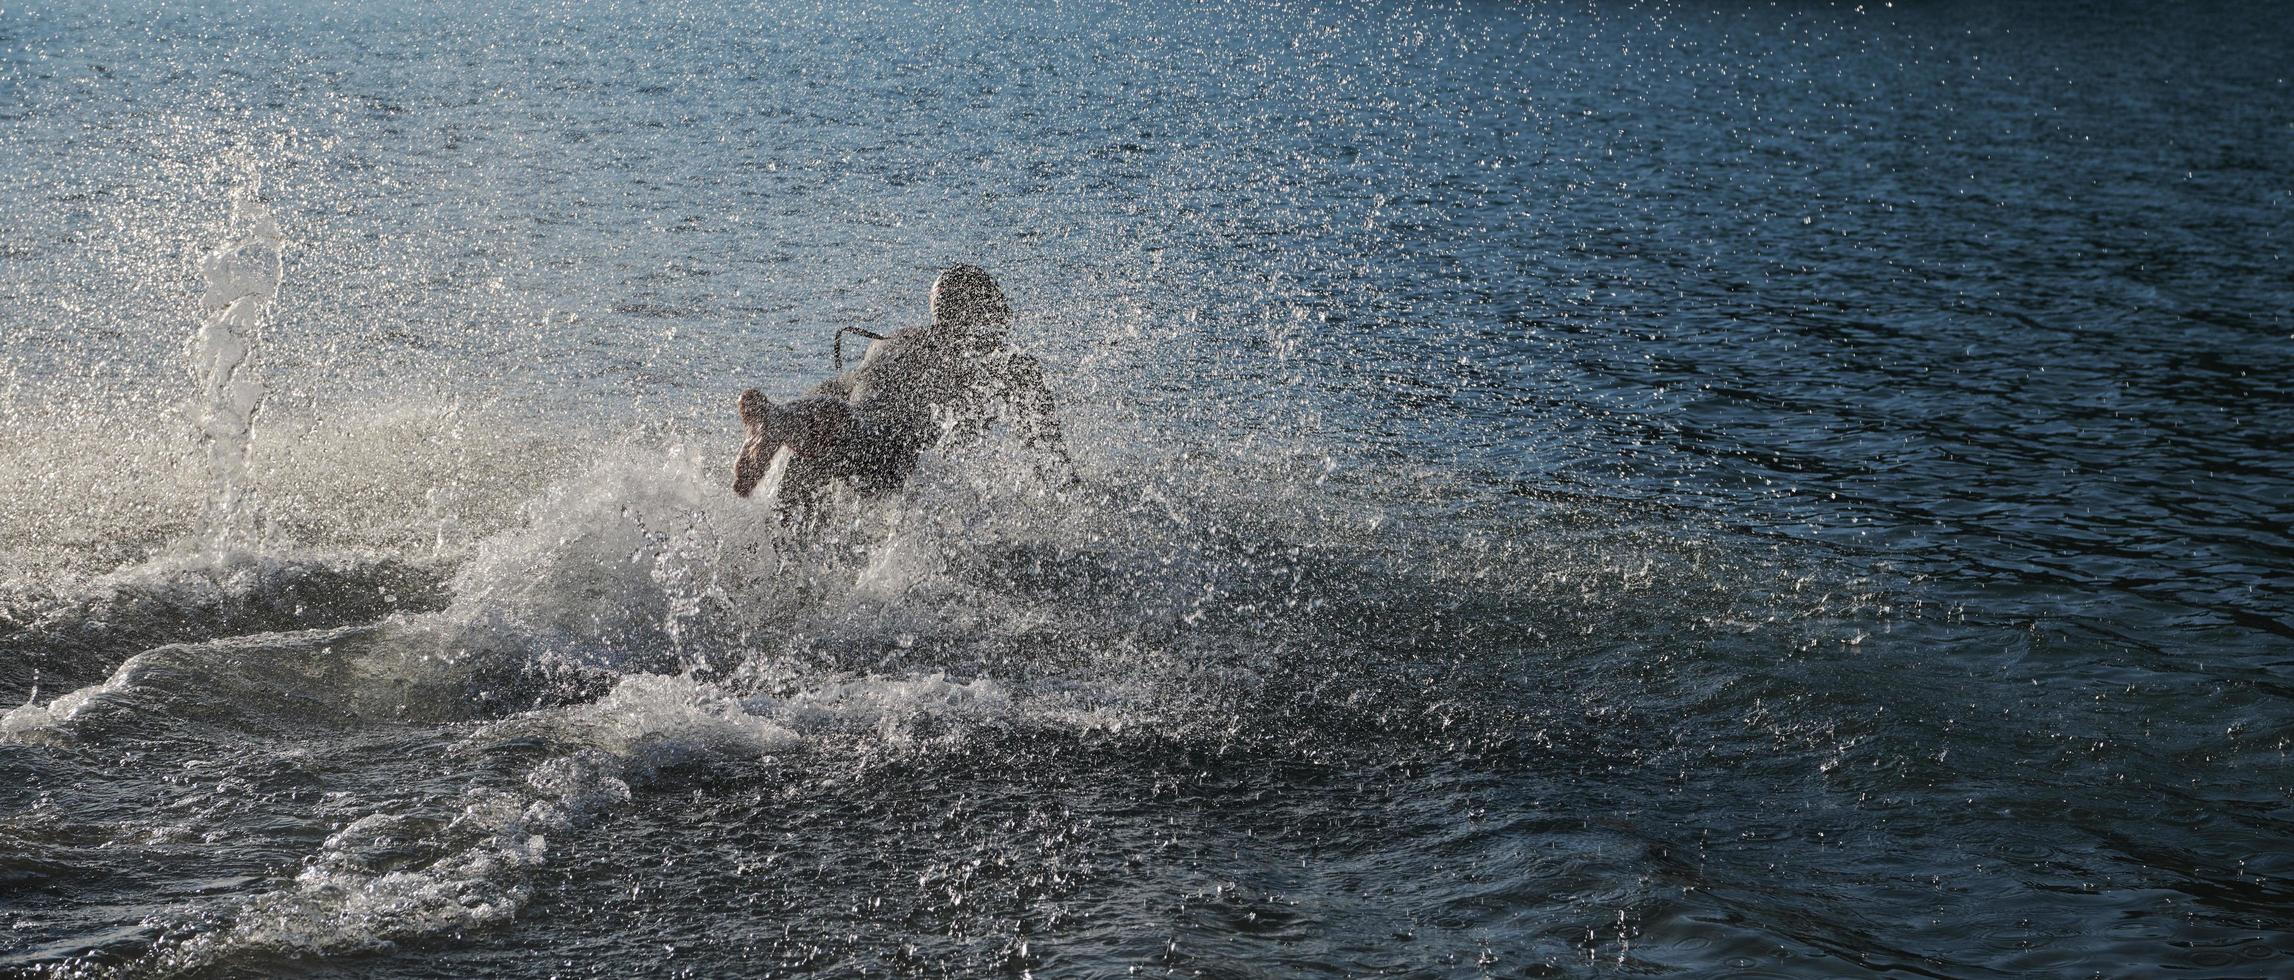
(242, 280)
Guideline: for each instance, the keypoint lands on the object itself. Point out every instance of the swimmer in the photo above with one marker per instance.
(945, 383)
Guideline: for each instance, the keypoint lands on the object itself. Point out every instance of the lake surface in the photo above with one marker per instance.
(1570, 490)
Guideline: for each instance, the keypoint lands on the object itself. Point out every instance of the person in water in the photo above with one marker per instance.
(943, 383)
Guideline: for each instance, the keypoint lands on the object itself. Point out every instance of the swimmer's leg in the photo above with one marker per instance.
(803, 493)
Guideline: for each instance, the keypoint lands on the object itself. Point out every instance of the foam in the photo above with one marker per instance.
(86, 628)
(340, 903)
(618, 566)
(389, 877)
(21, 722)
(717, 637)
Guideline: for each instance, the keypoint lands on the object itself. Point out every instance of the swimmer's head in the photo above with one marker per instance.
(967, 298)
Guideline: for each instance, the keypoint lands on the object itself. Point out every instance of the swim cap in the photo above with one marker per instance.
(966, 297)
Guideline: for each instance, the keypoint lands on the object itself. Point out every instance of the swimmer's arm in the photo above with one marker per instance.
(1036, 414)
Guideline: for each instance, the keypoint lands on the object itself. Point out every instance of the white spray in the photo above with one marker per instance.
(242, 279)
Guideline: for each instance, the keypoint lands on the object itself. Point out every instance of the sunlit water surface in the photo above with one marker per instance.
(1576, 489)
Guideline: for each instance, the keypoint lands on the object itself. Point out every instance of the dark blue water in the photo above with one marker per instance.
(1571, 490)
